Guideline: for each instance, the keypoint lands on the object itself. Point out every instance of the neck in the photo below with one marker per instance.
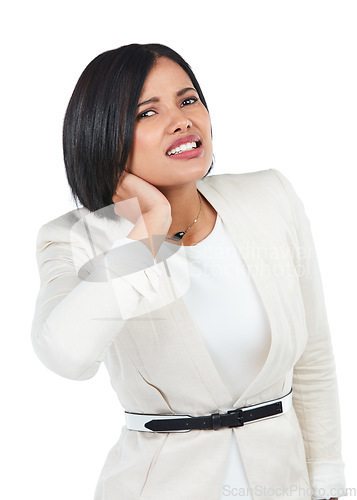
(185, 207)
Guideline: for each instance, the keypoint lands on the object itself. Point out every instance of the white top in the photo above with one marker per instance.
(234, 326)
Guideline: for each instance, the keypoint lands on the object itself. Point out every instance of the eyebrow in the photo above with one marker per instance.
(157, 99)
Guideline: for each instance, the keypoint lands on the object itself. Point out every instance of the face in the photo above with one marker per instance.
(175, 112)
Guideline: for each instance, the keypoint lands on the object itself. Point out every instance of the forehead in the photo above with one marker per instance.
(165, 76)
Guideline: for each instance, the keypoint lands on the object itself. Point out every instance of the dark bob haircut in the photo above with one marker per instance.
(99, 121)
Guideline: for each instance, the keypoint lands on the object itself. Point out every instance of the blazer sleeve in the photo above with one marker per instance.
(77, 318)
(315, 391)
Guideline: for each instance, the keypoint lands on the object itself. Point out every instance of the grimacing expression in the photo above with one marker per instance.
(174, 111)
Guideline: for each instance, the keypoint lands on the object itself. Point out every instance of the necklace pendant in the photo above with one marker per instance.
(179, 235)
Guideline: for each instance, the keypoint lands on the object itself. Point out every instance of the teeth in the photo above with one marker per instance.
(184, 147)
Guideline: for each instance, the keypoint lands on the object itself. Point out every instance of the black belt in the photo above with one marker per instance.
(232, 418)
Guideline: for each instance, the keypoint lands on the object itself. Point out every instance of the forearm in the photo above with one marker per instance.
(78, 317)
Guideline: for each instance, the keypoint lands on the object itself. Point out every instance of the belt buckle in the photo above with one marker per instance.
(239, 417)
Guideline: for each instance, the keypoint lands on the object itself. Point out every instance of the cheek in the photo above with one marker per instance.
(206, 122)
(145, 150)
(145, 143)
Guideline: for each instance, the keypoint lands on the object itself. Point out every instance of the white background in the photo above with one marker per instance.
(280, 81)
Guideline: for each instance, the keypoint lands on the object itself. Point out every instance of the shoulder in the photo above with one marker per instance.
(61, 228)
(247, 180)
(65, 221)
(92, 231)
(261, 186)
(265, 194)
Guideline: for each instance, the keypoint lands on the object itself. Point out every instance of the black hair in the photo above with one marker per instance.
(99, 121)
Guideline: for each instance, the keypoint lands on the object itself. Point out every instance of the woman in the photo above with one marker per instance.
(201, 294)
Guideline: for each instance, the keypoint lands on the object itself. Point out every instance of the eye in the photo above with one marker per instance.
(188, 100)
(192, 99)
(144, 115)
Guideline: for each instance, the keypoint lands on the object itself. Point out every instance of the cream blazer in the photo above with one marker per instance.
(89, 311)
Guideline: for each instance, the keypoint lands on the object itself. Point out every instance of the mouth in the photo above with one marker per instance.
(194, 150)
(184, 147)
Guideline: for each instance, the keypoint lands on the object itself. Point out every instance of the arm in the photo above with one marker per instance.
(77, 318)
(315, 391)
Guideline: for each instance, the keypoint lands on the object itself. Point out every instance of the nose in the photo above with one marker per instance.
(179, 122)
